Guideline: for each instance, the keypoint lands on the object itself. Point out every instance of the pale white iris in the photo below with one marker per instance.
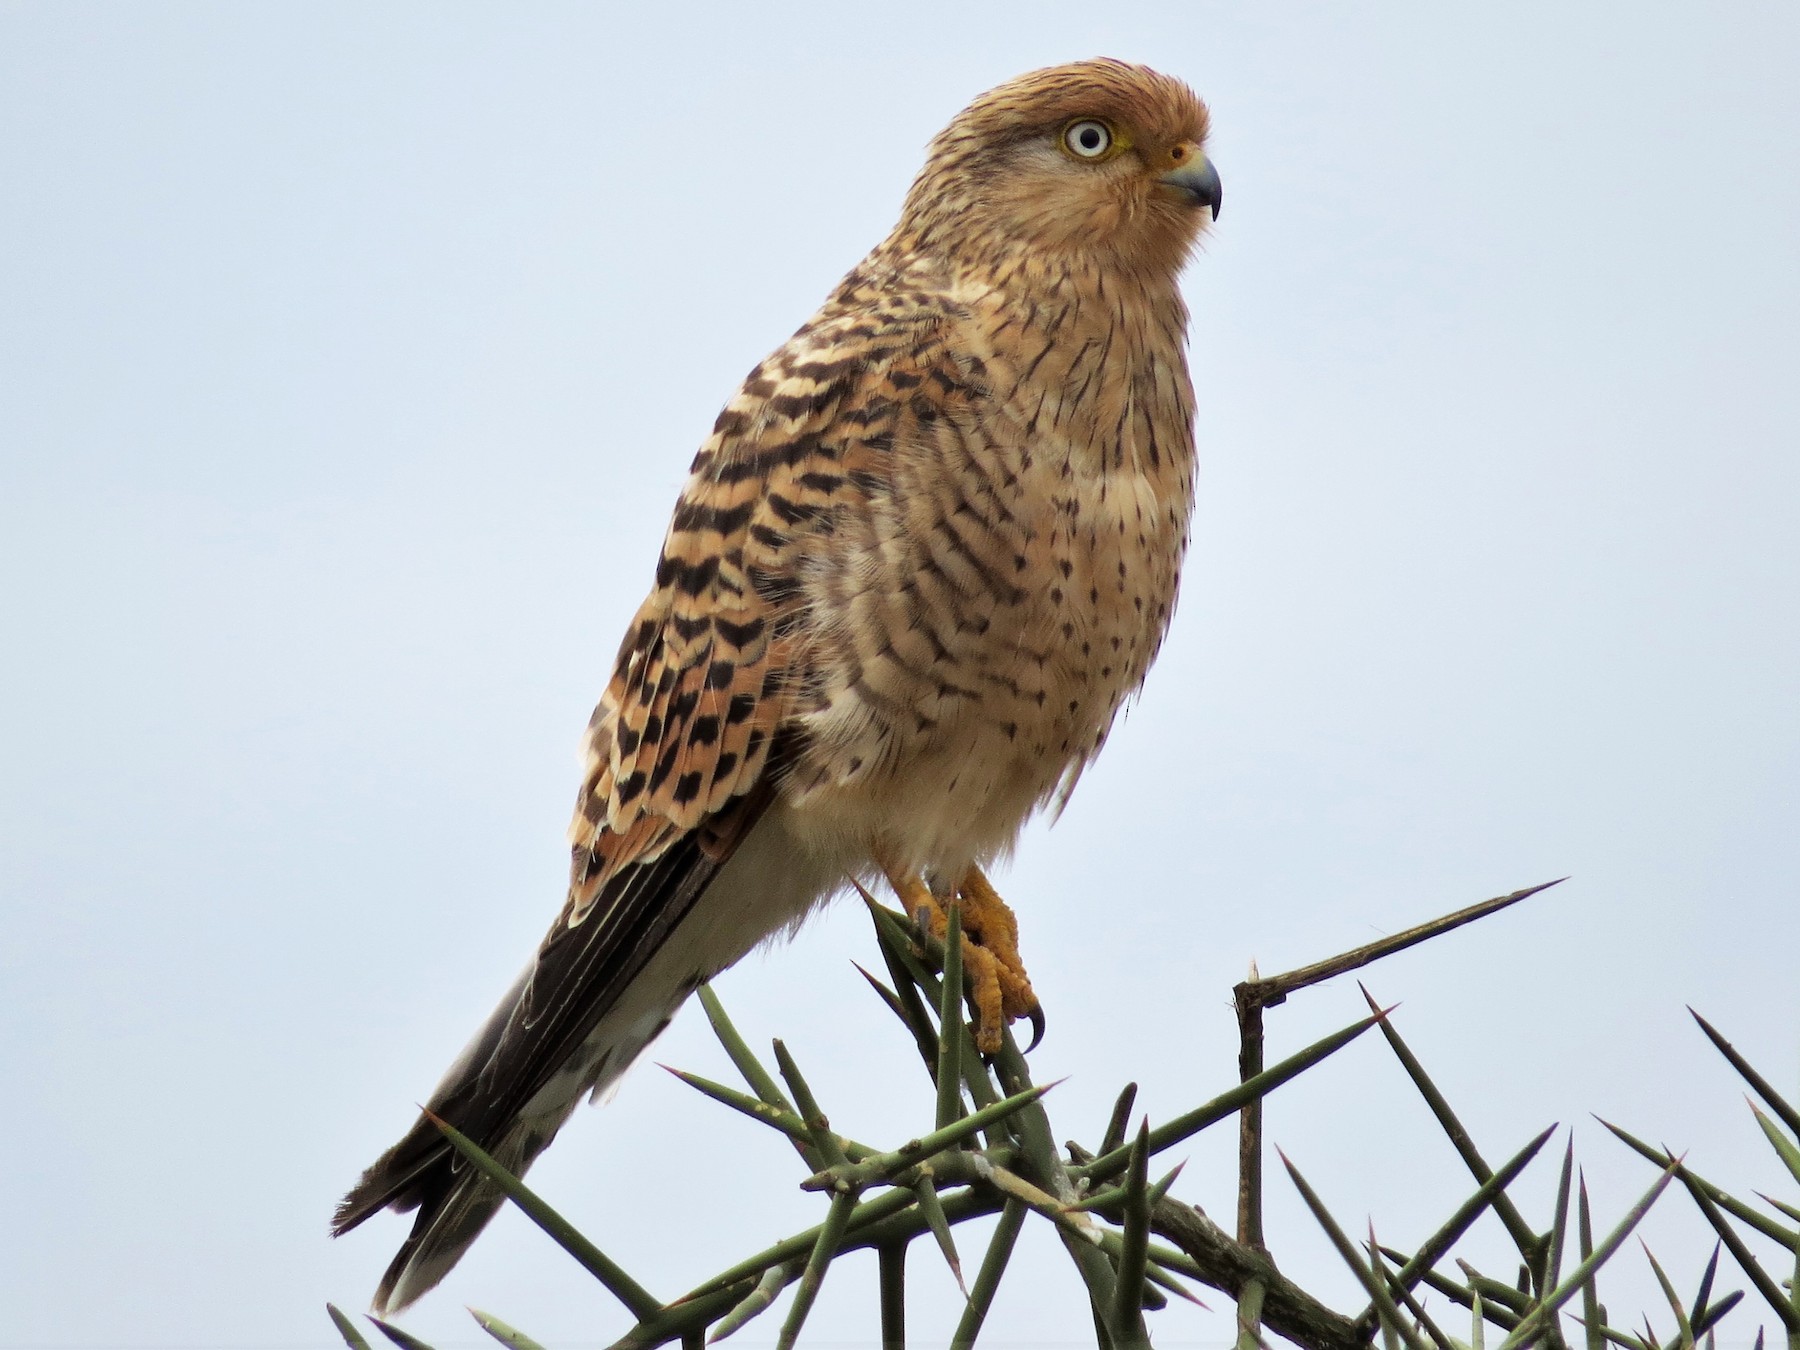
(1088, 139)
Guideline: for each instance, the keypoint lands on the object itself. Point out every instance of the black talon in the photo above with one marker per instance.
(1036, 1018)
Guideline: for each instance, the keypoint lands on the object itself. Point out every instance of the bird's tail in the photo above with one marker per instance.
(599, 990)
(422, 1172)
(453, 1200)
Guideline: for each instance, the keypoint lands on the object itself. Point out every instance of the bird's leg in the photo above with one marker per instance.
(983, 969)
(990, 950)
(990, 920)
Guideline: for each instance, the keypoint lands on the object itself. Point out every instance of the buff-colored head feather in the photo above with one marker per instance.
(997, 179)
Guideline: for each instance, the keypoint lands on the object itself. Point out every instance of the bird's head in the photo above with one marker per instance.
(1099, 158)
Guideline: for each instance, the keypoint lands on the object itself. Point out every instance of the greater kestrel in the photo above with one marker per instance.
(928, 549)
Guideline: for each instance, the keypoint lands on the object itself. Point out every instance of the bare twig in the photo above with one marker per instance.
(1273, 989)
(1257, 993)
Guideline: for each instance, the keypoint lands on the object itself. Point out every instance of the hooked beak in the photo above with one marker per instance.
(1196, 177)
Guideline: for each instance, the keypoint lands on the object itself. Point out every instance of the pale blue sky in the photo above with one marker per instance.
(350, 358)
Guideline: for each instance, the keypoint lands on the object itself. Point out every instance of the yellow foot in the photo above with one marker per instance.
(990, 952)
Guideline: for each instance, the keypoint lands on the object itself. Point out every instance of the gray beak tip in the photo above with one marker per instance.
(1200, 181)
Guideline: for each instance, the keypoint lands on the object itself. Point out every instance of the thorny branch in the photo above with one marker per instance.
(1258, 992)
(997, 1158)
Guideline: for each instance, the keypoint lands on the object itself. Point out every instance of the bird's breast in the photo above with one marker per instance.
(977, 627)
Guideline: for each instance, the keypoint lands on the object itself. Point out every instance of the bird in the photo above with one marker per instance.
(929, 549)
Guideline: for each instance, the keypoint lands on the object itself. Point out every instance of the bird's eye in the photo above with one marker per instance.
(1088, 138)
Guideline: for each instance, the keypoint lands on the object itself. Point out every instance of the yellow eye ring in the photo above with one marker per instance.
(1091, 140)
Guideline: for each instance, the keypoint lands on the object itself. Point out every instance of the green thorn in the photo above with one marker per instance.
(886, 1166)
(869, 1212)
(1421, 1318)
(1552, 1269)
(923, 1035)
(1227, 1104)
(818, 1127)
(1708, 1275)
(1705, 1291)
(831, 1233)
(685, 1319)
(987, 1279)
(506, 1335)
(773, 1281)
(1783, 1146)
(404, 1339)
(1461, 1295)
(1126, 1321)
(933, 1210)
(950, 1008)
(1158, 1266)
(1787, 1237)
(1593, 1319)
(1249, 1314)
(1108, 1199)
(891, 1276)
(776, 1117)
(346, 1328)
(1498, 1292)
(1392, 1324)
(735, 1047)
(1120, 1121)
(1523, 1238)
(1782, 1304)
(1684, 1329)
(898, 940)
(1545, 1308)
(1434, 1248)
(627, 1290)
(1778, 1104)
(1715, 1313)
